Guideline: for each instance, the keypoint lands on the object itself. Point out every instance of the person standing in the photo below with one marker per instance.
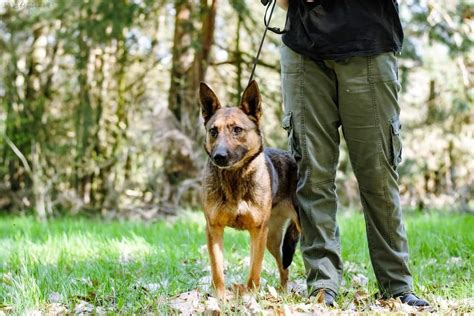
(339, 69)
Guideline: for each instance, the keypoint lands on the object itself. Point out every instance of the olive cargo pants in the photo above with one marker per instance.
(359, 94)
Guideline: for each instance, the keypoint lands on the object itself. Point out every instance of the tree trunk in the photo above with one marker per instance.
(190, 43)
(238, 63)
(431, 115)
(185, 78)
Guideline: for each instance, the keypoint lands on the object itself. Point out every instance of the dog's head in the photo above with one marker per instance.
(232, 133)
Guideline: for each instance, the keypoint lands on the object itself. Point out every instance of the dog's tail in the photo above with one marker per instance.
(292, 235)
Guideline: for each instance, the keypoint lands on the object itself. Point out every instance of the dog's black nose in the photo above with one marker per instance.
(221, 158)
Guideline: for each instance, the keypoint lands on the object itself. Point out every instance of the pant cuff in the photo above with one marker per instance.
(322, 285)
(397, 291)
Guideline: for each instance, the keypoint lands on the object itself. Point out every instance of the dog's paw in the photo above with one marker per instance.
(253, 285)
(239, 289)
(220, 294)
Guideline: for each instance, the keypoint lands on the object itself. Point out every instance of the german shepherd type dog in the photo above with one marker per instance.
(247, 187)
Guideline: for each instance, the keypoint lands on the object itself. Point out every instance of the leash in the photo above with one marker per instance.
(267, 27)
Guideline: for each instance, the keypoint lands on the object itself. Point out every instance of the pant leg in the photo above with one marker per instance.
(312, 121)
(368, 100)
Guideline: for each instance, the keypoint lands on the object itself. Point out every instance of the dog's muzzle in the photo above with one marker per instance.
(221, 158)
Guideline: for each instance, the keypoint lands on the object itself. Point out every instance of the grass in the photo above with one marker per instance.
(129, 267)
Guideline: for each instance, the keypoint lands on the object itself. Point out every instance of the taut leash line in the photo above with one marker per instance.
(267, 27)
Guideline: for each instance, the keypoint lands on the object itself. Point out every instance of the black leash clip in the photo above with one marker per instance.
(266, 20)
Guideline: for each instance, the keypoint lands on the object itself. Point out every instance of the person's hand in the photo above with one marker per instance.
(283, 4)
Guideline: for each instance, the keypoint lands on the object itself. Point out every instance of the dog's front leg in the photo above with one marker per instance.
(258, 241)
(214, 246)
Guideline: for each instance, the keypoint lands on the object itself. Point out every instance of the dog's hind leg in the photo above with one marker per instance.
(283, 237)
(216, 256)
(275, 241)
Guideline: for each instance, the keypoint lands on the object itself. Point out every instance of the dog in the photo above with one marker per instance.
(246, 187)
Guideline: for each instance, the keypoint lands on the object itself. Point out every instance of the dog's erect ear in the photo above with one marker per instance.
(209, 102)
(251, 102)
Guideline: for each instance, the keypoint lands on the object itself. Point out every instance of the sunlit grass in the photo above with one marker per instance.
(129, 266)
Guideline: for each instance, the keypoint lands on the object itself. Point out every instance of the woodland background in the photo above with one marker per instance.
(99, 115)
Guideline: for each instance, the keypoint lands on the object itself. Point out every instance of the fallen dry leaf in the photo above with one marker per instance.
(7, 278)
(350, 307)
(319, 298)
(211, 306)
(455, 261)
(468, 303)
(450, 305)
(54, 297)
(361, 298)
(101, 311)
(152, 287)
(273, 292)
(6, 310)
(359, 280)
(388, 304)
(56, 309)
(298, 287)
(83, 308)
(186, 303)
(404, 308)
(251, 305)
(378, 308)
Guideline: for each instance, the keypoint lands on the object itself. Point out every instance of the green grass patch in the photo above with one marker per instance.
(129, 267)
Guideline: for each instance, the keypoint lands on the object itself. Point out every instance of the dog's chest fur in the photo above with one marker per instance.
(239, 198)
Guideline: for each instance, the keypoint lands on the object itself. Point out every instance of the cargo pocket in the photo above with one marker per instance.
(287, 125)
(396, 142)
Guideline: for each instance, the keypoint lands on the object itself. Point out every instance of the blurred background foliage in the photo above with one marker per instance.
(98, 107)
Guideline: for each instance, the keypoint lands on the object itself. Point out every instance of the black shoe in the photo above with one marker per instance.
(412, 300)
(329, 296)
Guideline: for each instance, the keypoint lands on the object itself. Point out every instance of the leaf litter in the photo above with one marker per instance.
(268, 301)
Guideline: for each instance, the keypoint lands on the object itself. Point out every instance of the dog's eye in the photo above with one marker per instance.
(237, 130)
(213, 132)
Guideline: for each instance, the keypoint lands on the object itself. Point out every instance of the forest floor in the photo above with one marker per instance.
(80, 265)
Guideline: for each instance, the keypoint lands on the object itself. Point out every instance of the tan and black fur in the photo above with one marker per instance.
(246, 187)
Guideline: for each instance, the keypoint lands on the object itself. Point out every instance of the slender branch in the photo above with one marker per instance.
(225, 62)
(248, 61)
(19, 154)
